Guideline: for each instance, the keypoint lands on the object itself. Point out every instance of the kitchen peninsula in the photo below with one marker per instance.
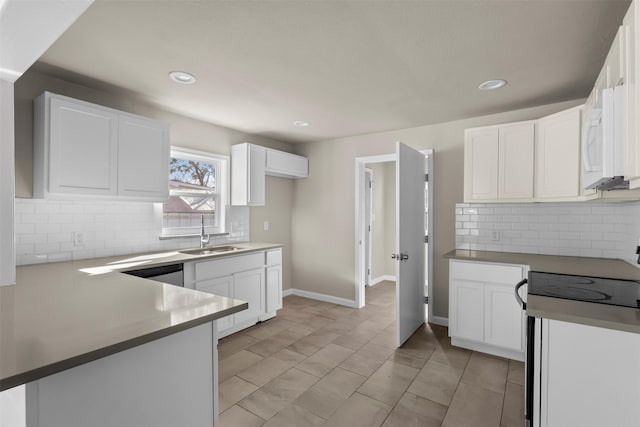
(88, 345)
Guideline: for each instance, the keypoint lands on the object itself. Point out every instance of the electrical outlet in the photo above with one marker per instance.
(266, 226)
(495, 235)
(78, 238)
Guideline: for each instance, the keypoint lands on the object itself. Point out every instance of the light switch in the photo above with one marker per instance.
(266, 226)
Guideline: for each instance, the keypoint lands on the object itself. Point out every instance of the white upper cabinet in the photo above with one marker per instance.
(481, 164)
(632, 95)
(558, 155)
(499, 162)
(286, 165)
(143, 157)
(83, 148)
(89, 150)
(516, 158)
(248, 164)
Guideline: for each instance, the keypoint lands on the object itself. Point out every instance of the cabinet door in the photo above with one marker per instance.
(274, 288)
(614, 62)
(249, 286)
(248, 164)
(558, 156)
(143, 158)
(481, 164)
(466, 310)
(585, 369)
(83, 149)
(516, 159)
(222, 286)
(503, 317)
(631, 122)
(286, 165)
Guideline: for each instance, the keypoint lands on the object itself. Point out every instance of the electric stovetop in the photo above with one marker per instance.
(625, 293)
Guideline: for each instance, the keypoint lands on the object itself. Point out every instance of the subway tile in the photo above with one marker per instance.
(24, 208)
(47, 228)
(593, 219)
(502, 210)
(579, 227)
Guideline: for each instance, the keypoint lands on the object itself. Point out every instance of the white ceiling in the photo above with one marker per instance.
(347, 67)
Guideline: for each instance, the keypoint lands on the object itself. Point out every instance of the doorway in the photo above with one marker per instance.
(363, 253)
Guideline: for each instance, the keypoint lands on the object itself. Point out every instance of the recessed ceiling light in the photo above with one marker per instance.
(301, 123)
(182, 77)
(492, 84)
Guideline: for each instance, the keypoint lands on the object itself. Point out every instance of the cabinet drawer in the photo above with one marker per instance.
(486, 272)
(228, 265)
(274, 257)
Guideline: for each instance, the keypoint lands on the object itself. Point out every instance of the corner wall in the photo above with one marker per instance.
(324, 203)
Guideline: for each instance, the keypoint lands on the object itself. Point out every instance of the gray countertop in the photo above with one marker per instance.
(592, 314)
(65, 314)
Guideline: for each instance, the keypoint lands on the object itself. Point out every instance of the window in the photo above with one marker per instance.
(197, 188)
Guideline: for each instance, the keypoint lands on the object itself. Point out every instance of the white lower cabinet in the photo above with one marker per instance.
(483, 312)
(222, 286)
(588, 376)
(274, 280)
(249, 286)
(255, 277)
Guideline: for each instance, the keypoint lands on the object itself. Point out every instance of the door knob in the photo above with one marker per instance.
(400, 256)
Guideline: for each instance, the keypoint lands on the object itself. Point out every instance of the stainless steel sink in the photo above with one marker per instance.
(211, 250)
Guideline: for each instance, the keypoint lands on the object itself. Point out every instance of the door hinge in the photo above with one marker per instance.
(426, 299)
(426, 239)
(368, 271)
(369, 228)
(426, 177)
(370, 184)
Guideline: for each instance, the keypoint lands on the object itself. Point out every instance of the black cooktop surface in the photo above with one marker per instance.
(625, 293)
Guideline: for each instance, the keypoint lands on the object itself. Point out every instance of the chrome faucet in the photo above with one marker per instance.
(204, 238)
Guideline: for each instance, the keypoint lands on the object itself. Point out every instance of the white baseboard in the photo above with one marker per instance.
(382, 279)
(319, 297)
(487, 348)
(442, 321)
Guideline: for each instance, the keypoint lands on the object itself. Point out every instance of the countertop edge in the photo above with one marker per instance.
(81, 359)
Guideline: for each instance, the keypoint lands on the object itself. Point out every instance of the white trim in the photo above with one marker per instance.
(287, 292)
(488, 348)
(382, 278)
(438, 320)
(320, 297)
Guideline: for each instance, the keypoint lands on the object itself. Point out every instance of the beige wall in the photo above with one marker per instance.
(185, 132)
(277, 211)
(323, 209)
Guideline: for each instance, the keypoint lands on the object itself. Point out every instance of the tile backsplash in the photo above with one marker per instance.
(606, 230)
(44, 229)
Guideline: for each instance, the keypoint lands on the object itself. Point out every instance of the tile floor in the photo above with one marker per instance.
(323, 364)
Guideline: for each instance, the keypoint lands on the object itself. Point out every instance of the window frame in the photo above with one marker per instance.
(221, 196)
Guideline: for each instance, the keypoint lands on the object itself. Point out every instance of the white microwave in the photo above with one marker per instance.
(603, 142)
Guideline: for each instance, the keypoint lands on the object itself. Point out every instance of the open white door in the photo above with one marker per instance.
(410, 270)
